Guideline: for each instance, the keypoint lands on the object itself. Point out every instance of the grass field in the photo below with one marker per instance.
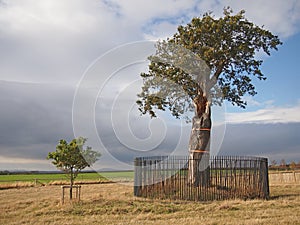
(114, 203)
(15, 180)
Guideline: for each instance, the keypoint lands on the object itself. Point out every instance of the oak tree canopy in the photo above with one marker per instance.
(228, 45)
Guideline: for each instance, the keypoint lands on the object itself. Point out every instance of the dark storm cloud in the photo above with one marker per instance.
(33, 118)
(133, 135)
(275, 141)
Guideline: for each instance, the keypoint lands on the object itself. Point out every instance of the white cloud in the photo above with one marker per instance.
(281, 17)
(15, 160)
(145, 10)
(29, 16)
(55, 40)
(160, 31)
(270, 114)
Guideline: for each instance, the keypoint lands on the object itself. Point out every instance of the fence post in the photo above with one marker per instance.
(267, 179)
(63, 194)
(137, 176)
(77, 193)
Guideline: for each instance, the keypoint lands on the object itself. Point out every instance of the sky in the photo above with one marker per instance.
(71, 68)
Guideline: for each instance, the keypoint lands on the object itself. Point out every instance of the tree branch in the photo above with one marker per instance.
(213, 81)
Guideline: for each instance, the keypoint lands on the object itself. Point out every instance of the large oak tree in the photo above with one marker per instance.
(210, 60)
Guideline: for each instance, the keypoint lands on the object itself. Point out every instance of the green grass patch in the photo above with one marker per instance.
(119, 175)
(46, 178)
(52, 177)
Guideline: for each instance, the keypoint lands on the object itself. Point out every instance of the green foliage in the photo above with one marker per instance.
(227, 46)
(71, 157)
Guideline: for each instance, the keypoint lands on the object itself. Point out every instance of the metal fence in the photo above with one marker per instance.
(226, 177)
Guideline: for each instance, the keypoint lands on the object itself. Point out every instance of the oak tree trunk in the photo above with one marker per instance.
(199, 144)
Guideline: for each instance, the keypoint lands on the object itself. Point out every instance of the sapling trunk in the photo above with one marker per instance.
(71, 183)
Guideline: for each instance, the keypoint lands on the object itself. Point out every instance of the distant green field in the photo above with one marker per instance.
(118, 175)
(51, 177)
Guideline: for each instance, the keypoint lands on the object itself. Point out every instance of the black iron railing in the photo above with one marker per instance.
(226, 177)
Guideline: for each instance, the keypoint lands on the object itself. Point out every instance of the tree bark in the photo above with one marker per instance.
(199, 144)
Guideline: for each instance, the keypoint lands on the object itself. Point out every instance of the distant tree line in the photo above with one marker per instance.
(283, 165)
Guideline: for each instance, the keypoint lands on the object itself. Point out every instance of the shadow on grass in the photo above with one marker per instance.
(279, 196)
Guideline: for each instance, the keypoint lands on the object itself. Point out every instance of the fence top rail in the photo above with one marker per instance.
(212, 158)
(69, 186)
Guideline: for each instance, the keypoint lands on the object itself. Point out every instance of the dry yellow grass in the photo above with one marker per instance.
(115, 204)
